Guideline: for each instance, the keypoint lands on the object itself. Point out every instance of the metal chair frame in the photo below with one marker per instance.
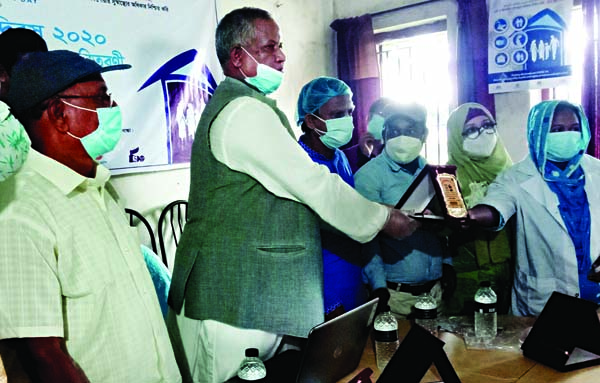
(134, 214)
(171, 217)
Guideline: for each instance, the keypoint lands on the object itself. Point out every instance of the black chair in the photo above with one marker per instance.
(170, 225)
(135, 218)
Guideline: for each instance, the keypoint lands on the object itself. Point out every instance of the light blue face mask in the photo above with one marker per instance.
(562, 146)
(339, 131)
(267, 79)
(106, 136)
(375, 126)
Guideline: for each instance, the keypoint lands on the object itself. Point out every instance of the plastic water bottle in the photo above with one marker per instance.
(252, 369)
(425, 311)
(486, 320)
(386, 337)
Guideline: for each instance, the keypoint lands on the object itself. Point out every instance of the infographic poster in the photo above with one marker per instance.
(527, 44)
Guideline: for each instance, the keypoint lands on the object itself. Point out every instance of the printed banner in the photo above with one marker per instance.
(527, 44)
(170, 45)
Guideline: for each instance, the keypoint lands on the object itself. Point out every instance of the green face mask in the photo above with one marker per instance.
(105, 138)
(339, 131)
(562, 146)
(267, 79)
(375, 126)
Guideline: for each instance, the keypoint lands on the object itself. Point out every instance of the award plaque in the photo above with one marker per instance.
(436, 189)
(448, 190)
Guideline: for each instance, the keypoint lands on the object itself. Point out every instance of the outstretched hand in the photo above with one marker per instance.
(399, 225)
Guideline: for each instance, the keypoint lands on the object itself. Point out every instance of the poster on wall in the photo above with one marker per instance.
(527, 46)
(170, 46)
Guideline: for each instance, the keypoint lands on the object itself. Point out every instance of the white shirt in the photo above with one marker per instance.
(269, 154)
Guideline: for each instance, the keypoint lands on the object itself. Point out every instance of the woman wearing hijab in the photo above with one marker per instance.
(553, 194)
(479, 155)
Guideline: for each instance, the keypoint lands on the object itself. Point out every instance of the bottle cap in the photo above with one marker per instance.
(252, 352)
(485, 284)
(386, 308)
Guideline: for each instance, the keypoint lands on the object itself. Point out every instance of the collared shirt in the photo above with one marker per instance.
(268, 153)
(72, 268)
(338, 164)
(414, 260)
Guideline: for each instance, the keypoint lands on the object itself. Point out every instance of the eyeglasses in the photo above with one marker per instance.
(473, 132)
(100, 99)
(404, 127)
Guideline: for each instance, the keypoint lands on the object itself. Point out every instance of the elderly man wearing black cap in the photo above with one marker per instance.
(76, 300)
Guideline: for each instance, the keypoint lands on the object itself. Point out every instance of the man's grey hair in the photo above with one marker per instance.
(237, 28)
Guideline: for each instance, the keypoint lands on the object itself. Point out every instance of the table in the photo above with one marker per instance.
(472, 366)
(489, 366)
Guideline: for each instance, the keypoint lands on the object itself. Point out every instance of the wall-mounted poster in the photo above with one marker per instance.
(170, 45)
(527, 46)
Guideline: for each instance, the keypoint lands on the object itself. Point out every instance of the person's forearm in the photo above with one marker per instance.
(238, 140)
(485, 216)
(47, 360)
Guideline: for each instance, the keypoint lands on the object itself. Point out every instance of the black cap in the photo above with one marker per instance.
(485, 284)
(252, 352)
(41, 75)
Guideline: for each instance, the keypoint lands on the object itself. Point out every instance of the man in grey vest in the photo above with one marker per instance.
(248, 269)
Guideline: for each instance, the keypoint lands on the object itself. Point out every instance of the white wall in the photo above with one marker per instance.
(308, 45)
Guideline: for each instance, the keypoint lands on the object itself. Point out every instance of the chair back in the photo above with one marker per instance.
(170, 226)
(135, 218)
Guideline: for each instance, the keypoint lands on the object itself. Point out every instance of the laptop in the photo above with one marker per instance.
(332, 350)
(566, 335)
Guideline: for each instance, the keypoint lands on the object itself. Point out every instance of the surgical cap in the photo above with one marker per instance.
(316, 93)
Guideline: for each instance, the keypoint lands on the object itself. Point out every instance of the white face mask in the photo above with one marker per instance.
(480, 147)
(403, 149)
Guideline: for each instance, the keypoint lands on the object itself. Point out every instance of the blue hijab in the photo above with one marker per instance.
(539, 123)
(568, 183)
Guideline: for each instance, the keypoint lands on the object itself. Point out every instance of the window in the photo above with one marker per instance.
(571, 91)
(415, 69)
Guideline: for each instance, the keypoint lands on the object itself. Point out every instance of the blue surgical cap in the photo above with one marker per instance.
(316, 93)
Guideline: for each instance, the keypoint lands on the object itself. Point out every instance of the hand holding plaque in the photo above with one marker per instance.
(435, 195)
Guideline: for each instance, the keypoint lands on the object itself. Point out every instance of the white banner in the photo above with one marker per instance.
(527, 44)
(170, 45)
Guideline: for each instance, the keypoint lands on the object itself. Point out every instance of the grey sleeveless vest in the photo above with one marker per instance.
(246, 257)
